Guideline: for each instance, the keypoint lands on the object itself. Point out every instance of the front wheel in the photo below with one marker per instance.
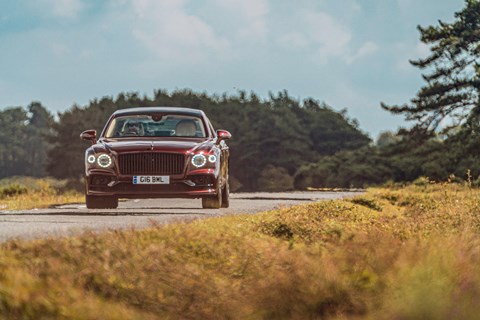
(213, 202)
(101, 202)
(226, 196)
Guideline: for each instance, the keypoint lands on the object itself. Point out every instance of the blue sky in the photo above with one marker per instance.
(351, 54)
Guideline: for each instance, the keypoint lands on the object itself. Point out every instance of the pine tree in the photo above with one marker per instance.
(38, 129)
(450, 97)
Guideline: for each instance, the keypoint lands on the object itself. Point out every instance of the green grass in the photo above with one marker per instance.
(408, 253)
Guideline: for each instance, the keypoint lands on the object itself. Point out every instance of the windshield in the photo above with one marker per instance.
(156, 126)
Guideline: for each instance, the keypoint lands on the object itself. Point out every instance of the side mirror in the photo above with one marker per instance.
(223, 135)
(90, 135)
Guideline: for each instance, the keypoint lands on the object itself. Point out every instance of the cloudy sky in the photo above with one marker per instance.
(350, 54)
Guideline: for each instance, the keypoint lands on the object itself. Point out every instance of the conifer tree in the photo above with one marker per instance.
(450, 96)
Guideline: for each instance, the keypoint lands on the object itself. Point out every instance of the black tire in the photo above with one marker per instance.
(213, 202)
(99, 202)
(226, 195)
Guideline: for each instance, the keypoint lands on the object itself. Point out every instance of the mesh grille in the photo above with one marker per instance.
(151, 163)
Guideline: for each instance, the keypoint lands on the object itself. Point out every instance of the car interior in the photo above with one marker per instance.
(145, 126)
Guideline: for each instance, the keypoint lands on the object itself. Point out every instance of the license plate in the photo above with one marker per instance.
(151, 179)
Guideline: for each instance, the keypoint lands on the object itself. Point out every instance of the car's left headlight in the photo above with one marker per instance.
(212, 158)
(91, 159)
(199, 160)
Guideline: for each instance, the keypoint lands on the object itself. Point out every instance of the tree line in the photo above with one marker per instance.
(272, 137)
(278, 143)
(24, 142)
(443, 142)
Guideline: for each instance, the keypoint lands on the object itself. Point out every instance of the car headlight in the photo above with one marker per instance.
(91, 159)
(104, 160)
(212, 158)
(199, 160)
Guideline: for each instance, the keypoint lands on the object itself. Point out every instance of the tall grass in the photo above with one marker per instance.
(409, 253)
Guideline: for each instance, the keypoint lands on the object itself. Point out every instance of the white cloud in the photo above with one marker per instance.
(366, 49)
(67, 9)
(294, 40)
(249, 8)
(60, 50)
(324, 37)
(63, 9)
(171, 33)
(405, 4)
(66, 50)
(328, 34)
(253, 14)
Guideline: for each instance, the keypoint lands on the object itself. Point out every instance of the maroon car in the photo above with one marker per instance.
(157, 152)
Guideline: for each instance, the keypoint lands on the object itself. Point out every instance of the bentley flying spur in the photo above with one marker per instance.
(157, 152)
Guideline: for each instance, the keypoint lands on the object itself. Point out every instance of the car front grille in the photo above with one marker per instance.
(151, 163)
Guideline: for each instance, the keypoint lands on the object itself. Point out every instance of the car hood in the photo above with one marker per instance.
(180, 146)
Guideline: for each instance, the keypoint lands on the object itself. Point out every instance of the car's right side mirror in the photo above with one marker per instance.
(223, 135)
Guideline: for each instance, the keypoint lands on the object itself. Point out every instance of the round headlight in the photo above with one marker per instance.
(104, 160)
(212, 158)
(199, 160)
(91, 159)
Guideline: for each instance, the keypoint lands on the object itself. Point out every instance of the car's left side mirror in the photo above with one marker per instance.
(223, 135)
(90, 135)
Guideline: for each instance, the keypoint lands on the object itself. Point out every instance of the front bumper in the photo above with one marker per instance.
(193, 185)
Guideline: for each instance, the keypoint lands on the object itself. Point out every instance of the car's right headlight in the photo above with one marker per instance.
(104, 160)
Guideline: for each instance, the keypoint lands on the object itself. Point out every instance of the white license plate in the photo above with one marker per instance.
(151, 179)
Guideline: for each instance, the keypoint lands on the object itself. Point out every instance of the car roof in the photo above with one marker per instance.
(156, 110)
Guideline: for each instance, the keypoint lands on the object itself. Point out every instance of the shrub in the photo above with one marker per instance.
(367, 202)
(275, 179)
(12, 190)
(421, 181)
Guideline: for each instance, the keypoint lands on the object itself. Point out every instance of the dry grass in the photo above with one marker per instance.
(29, 193)
(39, 200)
(390, 254)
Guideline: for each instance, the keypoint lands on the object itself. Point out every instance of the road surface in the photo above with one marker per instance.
(73, 219)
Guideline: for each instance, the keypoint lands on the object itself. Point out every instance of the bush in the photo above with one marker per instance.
(367, 202)
(275, 179)
(12, 190)
(421, 181)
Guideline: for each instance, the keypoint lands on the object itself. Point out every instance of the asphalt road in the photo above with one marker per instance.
(73, 219)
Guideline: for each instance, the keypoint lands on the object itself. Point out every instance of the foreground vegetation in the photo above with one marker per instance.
(18, 193)
(402, 253)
